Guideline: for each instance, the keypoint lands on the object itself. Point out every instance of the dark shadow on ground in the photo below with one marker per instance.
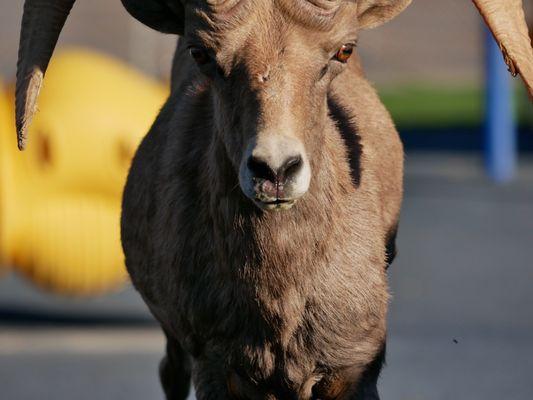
(13, 315)
(456, 140)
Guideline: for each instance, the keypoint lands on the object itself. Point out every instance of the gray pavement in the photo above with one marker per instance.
(461, 324)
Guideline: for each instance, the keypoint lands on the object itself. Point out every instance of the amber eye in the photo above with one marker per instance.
(344, 53)
(200, 56)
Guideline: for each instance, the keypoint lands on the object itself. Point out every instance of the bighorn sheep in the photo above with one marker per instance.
(267, 112)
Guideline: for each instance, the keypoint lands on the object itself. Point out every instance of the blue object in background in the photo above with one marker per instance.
(500, 126)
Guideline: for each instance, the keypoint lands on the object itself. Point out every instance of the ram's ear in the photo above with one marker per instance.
(507, 22)
(372, 13)
(162, 15)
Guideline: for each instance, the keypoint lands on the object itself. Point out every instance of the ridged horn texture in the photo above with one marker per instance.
(42, 22)
(327, 5)
(222, 2)
(223, 5)
(506, 20)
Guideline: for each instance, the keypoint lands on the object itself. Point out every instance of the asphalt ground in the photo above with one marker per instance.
(461, 320)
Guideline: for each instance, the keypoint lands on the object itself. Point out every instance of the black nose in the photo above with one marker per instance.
(263, 170)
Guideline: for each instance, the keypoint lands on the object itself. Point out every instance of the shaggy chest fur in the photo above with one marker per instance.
(285, 318)
(282, 299)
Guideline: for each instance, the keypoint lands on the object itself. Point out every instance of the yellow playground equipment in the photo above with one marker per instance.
(60, 199)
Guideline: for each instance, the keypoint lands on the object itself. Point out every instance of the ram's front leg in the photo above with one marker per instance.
(175, 371)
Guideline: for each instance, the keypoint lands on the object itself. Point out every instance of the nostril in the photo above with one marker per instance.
(290, 167)
(260, 169)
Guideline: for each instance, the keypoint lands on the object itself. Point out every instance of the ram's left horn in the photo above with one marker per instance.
(41, 25)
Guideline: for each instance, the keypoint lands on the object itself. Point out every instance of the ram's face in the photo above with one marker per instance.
(270, 64)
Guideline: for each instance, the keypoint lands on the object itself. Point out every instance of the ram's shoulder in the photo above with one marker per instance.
(138, 201)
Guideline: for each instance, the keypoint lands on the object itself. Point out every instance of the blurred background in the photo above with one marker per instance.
(461, 319)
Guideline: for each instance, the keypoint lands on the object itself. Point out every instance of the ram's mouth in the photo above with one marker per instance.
(278, 204)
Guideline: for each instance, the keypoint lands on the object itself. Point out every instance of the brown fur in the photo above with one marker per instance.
(269, 305)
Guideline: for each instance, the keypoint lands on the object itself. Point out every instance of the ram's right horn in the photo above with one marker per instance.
(506, 20)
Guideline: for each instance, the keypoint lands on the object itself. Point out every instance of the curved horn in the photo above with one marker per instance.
(41, 24)
(507, 22)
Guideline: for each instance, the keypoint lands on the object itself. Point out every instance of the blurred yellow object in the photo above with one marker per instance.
(6, 128)
(60, 199)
